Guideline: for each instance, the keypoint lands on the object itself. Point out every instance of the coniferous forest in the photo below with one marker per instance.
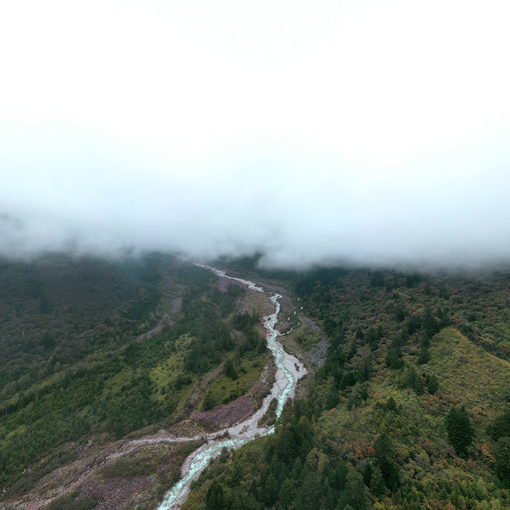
(409, 406)
(410, 410)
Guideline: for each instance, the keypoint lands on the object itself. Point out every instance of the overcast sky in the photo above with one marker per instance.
(372, 132)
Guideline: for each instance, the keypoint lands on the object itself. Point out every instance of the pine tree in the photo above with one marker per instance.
(339, 476)
(391, 405)
(356, 493)
(309, 493)
(459, 428)
(377, 482)
(386, 460)
(271, 488)
(414, 380)
(367, 474)
(287, 493)
(394, 356)
(230, 371)
(502, 454)
(424, 355)
(208, 402)
(215, 498)
(332, 398)
(432, 384)
(500, 427)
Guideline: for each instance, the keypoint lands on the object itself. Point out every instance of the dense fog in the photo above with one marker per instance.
(357, 132)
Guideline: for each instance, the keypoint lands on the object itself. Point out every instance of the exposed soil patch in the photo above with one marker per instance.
(112, 494)
(227, 415)
(317, 354)
(225, 283)
(156, 330)
(114, 476)
(176, 305)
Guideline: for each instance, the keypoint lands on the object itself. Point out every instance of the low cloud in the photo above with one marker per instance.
(354, 132)
(80, 195)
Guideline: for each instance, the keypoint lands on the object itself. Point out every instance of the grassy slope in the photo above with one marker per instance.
(470, 374)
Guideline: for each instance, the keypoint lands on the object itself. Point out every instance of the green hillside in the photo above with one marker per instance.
(401, 415)
(407, 407)
(95, 350)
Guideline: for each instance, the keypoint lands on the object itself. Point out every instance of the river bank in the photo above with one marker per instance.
(288, 371)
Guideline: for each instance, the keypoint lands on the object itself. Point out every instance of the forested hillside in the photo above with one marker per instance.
(93, 350)
(411, 409)
(406, 404)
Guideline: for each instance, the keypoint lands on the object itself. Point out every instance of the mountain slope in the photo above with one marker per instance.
(380, 423)
(135, 346)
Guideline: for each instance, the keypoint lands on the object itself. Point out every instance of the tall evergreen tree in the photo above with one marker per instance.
(229, 370)
(501, 426)
(215, 498)
(356, 493)
(459, 428)
(414, 380)
(502, 454)
(287, 494)
(377, 482)
(309, 494)
(391, 405)
(394, 356)
(386, 461)
(432, 384)
(424, 355)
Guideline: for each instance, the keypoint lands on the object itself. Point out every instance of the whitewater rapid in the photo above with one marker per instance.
(288, 371)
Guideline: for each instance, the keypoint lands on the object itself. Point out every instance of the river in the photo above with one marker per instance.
(288, 371)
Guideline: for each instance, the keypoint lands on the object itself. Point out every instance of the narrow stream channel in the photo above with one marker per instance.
(288, 371)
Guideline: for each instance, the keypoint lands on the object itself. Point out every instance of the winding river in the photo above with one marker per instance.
(288, 371)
